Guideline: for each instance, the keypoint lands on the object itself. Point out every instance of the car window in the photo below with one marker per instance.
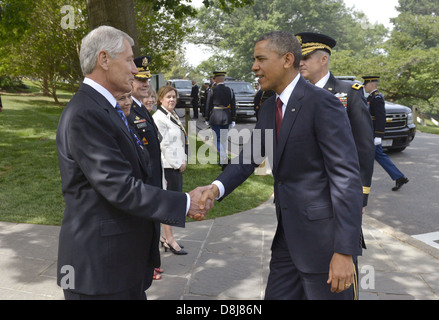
(241, 87)
(182, 84)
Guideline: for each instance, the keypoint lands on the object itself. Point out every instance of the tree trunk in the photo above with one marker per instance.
(45, 86)
(115, 13)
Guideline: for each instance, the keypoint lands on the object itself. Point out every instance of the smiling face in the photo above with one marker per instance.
(274, 71)
(125, 102)
(150, 100)
(140, 88)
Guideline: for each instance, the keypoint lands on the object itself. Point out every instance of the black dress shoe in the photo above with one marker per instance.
(399, 183)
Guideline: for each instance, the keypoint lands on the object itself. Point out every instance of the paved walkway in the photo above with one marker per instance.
(228, 259)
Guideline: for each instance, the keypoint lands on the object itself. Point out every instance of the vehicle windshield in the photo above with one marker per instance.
(241, 87)
(183, 84)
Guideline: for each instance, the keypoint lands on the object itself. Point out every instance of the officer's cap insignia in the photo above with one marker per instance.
(142, 63)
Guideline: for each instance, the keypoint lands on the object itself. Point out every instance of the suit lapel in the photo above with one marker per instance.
(100, 100)
(292, 110)
(141, 111)
(330, 85)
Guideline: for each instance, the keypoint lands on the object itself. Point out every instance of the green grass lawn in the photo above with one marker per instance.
(30, 184)
(429, 127)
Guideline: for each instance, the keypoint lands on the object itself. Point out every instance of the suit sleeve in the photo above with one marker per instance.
(209, 105)
(233, 105)
(244, 165)
(378, 105)
(341, 163)
(362, 129)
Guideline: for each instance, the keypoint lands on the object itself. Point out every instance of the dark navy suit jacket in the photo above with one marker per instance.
(317, 185)
(108, 232)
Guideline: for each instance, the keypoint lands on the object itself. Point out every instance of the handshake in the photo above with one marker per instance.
(202, 199)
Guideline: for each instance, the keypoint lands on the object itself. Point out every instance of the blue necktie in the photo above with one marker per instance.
(124, 119)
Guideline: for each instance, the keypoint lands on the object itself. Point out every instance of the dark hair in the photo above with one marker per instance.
(283, 42)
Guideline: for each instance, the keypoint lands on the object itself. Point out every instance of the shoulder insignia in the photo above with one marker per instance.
(357, 86)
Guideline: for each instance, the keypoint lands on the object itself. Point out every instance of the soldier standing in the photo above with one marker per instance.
(378, 112)
(220, 114)
(141, 120)
(314, 66)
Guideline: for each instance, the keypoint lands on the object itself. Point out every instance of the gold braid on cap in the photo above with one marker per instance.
(312, 46)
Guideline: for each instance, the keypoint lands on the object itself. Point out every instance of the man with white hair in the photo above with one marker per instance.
(314, 67)
(108, 244)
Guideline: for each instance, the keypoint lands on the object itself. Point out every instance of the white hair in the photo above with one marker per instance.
(102, 38)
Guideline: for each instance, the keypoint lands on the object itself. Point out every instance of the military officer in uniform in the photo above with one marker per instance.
(314, 66)
(378, 113)
(221, 113)
(141, 120)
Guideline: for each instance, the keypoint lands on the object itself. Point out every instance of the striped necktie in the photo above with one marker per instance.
(124, 119)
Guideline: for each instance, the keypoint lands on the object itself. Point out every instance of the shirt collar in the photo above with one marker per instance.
(136, 101)
(322, 82)
(286, 94)
(112, 100)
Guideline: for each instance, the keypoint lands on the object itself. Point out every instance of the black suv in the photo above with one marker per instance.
(184, 88)
(244, 96)
(400, 128)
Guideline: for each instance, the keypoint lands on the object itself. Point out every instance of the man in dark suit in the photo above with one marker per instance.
(316, 52)
(107, 240)
(195, 98)
(317, 186)
(378, 112)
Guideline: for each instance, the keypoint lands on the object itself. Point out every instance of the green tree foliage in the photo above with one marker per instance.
(411, 64)
(35, 43)
(41, 42)
(237, 32)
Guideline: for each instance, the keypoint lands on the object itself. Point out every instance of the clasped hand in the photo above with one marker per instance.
(202, 199)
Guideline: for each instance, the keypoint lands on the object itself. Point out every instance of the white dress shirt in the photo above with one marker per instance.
(322, 82)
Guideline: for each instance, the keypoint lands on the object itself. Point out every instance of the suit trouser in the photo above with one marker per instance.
(287, 282)
(135, 293)
(221, 141)
(174, 179)
(383, 159)
(195, 109)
